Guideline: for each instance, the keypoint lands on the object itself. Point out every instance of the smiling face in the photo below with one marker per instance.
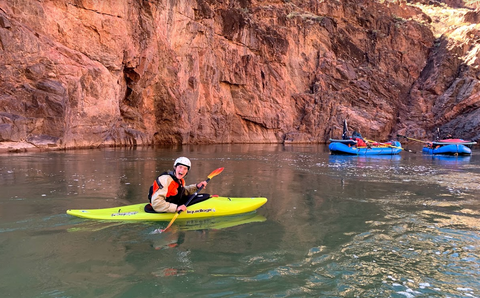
(181, 171)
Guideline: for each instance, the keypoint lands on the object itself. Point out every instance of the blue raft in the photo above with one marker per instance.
(449, 147)
(392, 148)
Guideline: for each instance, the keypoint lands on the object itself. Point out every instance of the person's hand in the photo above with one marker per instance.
(181, 208)
(203, 183)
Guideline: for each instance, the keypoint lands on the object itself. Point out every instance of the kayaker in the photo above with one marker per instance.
(168, 192)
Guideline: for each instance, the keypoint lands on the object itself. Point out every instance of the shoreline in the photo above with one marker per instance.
(17, 147)
(26, 147)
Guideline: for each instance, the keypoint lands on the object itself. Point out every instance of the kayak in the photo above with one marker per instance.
(212, 207)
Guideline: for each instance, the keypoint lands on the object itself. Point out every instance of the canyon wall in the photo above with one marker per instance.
(85, 73)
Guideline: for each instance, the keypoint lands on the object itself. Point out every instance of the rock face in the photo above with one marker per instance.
(120, 72)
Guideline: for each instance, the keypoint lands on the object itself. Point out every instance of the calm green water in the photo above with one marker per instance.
(334, 226)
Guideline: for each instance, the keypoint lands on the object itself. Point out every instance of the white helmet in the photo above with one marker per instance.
(182, 161)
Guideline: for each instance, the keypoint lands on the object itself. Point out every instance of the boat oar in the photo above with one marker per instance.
(212, 174)
(391, 146)
(384, 144)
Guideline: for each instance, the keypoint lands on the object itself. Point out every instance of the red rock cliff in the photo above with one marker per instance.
(117, 72)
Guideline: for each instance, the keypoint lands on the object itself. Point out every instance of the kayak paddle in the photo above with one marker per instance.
(212, 174)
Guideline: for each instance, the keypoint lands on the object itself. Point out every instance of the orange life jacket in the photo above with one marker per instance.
(176, 188)
(360, 142)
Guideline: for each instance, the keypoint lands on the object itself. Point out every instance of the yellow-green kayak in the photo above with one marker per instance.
(214, 206)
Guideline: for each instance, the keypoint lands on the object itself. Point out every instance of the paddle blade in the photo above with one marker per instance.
(215, 173)
(171, 222)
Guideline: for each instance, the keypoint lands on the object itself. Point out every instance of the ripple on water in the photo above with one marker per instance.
(413, 259)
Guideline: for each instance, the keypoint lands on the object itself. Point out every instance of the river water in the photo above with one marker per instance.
(334, 226)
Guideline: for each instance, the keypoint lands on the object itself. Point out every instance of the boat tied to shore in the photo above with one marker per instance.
(357, 145)
(445, 146)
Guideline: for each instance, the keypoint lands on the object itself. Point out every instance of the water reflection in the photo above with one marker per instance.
(334, 226)
(361, 158)
(448, 160)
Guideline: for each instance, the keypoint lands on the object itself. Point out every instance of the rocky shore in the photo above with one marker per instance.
(86, 74)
